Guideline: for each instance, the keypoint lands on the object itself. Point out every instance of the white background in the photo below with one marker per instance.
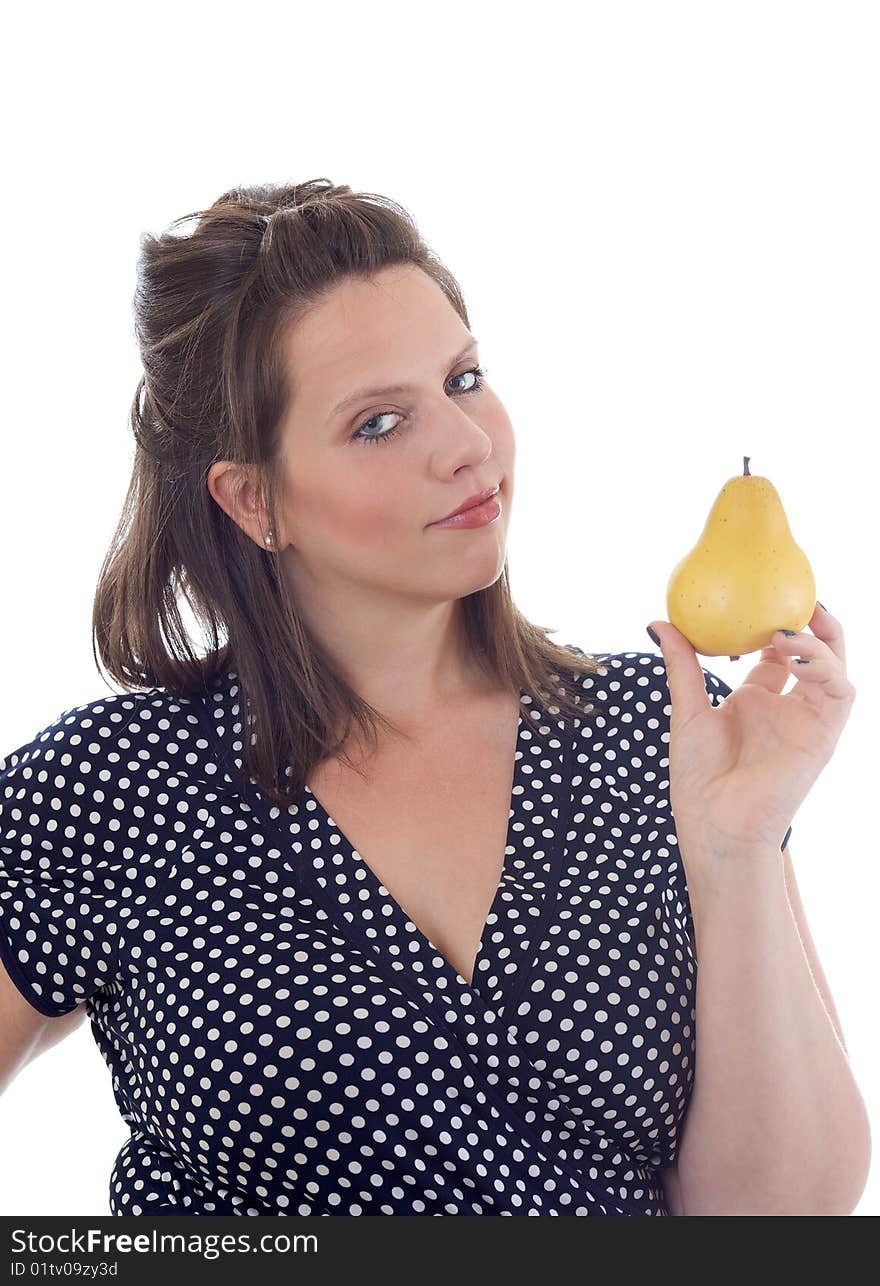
(665, 223)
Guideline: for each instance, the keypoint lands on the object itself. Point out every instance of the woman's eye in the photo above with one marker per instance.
(360, 436)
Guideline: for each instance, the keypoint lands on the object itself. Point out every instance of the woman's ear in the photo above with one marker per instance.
(238, 496)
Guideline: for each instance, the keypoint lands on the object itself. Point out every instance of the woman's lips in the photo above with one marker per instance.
(472, 501)
(478, 516)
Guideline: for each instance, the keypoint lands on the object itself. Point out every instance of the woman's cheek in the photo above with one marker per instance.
(365, 515)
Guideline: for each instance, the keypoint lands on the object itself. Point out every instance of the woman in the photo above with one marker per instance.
(377, 905)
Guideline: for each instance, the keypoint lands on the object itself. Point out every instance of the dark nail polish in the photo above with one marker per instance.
(653, 634)
(822, 605)
(790, 633)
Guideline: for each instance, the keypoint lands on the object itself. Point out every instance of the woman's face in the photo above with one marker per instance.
(363, 482)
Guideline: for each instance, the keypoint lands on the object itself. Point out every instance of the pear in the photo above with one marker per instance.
(745, 578)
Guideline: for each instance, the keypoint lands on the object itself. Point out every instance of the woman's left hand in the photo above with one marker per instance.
(738, 772)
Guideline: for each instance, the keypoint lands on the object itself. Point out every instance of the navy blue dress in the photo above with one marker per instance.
(282, 1039)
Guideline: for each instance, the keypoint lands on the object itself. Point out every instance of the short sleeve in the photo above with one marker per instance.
(65, 808)
(635, 689)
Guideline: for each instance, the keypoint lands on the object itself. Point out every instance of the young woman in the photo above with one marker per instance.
(379, 902)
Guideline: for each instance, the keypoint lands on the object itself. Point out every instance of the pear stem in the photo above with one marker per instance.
(746, 459)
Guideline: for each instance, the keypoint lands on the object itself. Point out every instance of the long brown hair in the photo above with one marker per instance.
(211, 309)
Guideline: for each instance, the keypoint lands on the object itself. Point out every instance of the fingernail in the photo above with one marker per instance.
(822, 605)
(790, 633)
(653, 635)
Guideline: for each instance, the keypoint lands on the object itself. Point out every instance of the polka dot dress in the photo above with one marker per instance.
(282, 1039)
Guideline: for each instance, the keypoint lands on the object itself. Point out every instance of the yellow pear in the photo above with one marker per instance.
(745, 578)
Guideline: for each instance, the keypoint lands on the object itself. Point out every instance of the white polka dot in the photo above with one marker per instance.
(284, 1040)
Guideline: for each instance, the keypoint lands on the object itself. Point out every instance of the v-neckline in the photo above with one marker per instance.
(376, 885)
(513, 930)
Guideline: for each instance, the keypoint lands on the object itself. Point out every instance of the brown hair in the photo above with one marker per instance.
(211, 309)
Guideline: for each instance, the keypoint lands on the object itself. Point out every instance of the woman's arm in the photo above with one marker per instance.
(800, 919)
(24, 1032)
(56, 1029)
(20, 1028)
(776, 1123)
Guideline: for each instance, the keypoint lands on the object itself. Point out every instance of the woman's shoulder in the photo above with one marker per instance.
(630, 697)
(640, 672)
(112, 728)
(96, 722)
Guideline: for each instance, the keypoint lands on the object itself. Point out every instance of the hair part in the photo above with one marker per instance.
(211, 310)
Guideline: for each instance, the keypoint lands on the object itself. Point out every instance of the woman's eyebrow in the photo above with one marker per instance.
(395, 388)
